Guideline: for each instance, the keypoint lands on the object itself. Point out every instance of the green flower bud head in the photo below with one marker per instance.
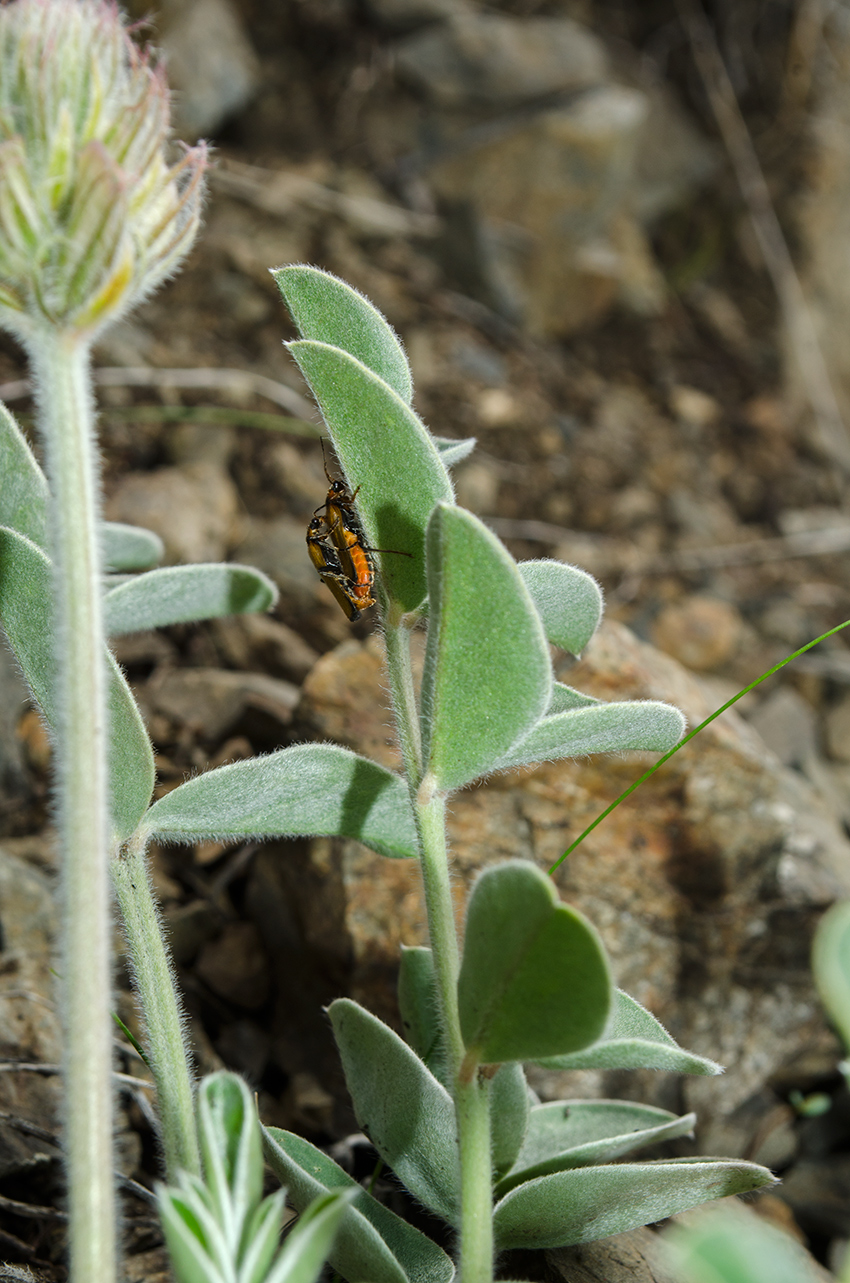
(92, 214)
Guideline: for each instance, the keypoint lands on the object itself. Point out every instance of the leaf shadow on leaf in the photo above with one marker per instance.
(364, 788)
(396, 533)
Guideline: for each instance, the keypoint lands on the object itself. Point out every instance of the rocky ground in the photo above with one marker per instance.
(547, 215)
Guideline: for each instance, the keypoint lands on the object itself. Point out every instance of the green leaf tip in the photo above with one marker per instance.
(534, 979)
(568, 600)
(330, 310)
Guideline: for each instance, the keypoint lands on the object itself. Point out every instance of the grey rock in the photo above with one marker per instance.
(494, 59)
(402, 15)
(211, 700)
(556, 237)
(193, 509)
(838, 730)
(788, 725)
(211, 63)
(636, 1257)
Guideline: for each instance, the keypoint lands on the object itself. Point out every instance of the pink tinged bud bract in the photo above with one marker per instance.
(94, 212)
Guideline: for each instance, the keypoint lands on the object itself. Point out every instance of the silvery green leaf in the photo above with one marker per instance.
(634, 1039)
(231, 1148)
(633, 725)
(831, 966)
(307, 1246)
(534, 977)
(568, 600)
(196, 1244)
(260, 1239)
(509, 1113)
(25, 610)
(407, 1114)
(454, 451)
(729, 1245)
(180, 594)
(576, 1133)
(487, 677)
(23, 485)
(129, 547)
(388, 457)
(373, 1244)
(331, 311)
(588, 1203)
(307, 790)
(565, 698)
(419, 1008)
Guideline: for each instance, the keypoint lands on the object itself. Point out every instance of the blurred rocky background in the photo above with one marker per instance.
(614, 236)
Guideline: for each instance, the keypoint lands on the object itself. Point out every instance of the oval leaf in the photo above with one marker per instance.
(534, 978)
(568, 600)
(129, 547)
(23, 485)
(634, 1039)
(181, 594)
(406, 1113)
(388, 455)
(487, 676)
(329, 310)
(510, 1108)
(646, 725)
(566, 1134)
(592, 1202)
(831, 965)
(373, 1244)
(309, 790)
(419, 1009)
(25, 610)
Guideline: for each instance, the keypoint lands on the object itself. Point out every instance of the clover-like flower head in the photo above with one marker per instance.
(93, 214)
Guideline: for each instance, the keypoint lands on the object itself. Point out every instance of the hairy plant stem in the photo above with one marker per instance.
(61, 369)
(160, 1004)
(471, 1094)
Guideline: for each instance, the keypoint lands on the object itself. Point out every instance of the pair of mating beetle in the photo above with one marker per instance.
(338, 549)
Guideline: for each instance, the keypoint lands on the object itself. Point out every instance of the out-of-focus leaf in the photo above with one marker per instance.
(26, 612)
(129, 547)
(831, 966)
(23, 486)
